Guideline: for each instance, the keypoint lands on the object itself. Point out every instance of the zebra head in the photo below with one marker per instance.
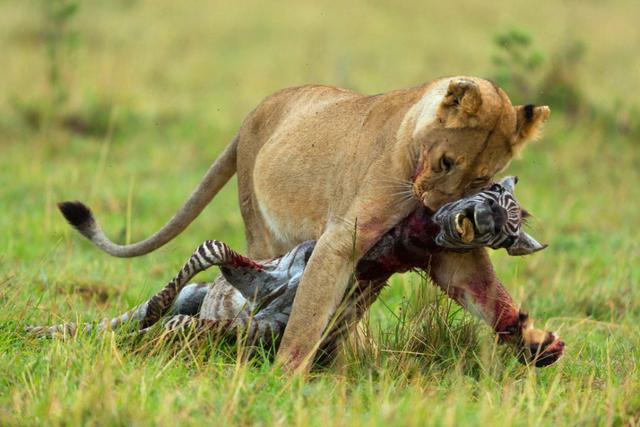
(491, 218)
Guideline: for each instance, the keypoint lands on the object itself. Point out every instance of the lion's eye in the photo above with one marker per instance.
(446, 163)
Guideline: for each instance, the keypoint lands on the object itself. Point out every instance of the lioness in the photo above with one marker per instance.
(328, 164)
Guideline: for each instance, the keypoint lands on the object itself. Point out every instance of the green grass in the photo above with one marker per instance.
(177, 79)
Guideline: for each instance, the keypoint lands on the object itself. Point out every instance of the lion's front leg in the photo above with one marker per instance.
(469, 279)
(321, 290)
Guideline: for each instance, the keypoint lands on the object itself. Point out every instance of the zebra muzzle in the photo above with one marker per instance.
(489, 218)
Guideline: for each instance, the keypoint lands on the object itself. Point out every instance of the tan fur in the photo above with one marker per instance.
(528, 128)
(328, 164)
(315, 161)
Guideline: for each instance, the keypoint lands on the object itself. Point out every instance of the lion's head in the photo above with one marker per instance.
(466, 131)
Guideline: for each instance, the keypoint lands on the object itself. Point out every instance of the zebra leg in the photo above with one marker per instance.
(225, 311)
(264, 282)
(208, 254)
(182, 323)
(188, 301)
(70, 329)
(257, 283)
(62, 330)
(469, 279)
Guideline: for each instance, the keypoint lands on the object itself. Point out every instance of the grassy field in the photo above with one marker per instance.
(149, 92)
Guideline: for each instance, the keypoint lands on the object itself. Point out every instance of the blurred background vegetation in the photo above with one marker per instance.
(70, 62)
(124, 104)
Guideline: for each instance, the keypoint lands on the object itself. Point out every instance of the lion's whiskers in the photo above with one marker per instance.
(404, 195)
(404, 187)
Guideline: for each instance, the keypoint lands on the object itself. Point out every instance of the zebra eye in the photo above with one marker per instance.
(446, 164)
(496, 187)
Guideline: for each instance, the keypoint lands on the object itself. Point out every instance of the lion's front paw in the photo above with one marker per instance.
(539, 347)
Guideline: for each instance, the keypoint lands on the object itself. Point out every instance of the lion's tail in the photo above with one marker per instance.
(80, 217)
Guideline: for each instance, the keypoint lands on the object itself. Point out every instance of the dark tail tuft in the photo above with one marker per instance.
(77, 214)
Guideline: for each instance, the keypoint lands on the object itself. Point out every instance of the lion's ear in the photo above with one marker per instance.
(464, 95)
(529, 120)
(460, 105)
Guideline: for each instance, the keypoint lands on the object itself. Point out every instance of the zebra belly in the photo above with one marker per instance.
(223, 302)
(190, 298)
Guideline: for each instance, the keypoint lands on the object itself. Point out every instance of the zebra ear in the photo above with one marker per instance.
(525, 245)
(509, 183)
